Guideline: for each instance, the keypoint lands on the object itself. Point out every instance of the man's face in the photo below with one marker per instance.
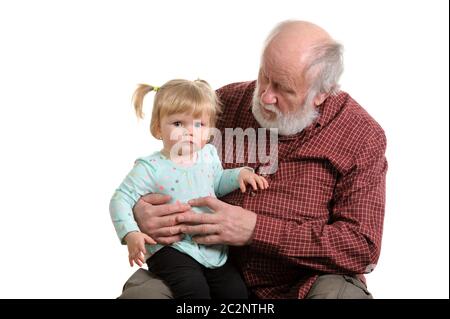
(277, 87)
(282, 97)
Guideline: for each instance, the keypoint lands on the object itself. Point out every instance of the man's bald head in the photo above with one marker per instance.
(297, 36)
(304, 47)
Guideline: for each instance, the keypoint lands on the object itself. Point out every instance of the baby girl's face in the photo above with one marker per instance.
(183, 133)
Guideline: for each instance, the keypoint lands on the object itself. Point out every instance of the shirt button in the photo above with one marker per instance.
(252, 193)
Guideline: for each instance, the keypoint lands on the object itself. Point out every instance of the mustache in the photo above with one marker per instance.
(270, 107)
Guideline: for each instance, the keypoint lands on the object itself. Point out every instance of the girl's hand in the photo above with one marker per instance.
(248, 177)
(136, 247)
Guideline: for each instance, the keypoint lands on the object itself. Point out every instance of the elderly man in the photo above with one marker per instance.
(318, 227)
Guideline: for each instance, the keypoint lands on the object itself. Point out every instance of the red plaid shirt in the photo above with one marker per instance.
(323, 211)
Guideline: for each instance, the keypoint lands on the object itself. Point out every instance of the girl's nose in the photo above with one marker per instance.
(187, 131)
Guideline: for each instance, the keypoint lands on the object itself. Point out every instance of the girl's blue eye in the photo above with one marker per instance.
(177, 123)
(198, 124)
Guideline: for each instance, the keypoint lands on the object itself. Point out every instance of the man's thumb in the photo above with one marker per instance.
(211, 202)
(156, 199)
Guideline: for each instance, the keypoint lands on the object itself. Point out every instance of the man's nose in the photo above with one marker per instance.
(268, 96)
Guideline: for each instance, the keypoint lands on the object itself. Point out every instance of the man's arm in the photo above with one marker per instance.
(349, 243)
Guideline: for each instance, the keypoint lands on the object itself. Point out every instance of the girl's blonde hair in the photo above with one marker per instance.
(178, 96)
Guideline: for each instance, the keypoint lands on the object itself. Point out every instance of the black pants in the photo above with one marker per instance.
(188, 279)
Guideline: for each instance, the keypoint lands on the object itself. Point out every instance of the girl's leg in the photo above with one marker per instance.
(182, 273)
(226, 282)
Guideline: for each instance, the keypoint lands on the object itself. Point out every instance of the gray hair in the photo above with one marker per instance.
(327, 61)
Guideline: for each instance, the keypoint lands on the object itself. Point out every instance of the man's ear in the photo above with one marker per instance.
(318, 100)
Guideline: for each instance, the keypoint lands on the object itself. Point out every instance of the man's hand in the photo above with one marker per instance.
(158, 219)
(229, 225)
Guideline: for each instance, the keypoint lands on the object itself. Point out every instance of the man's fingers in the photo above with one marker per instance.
(208, 240)
(169, 209)
(149, 240)
(156, 199)
(165, 221)
(200, 229)
(209, 201)
(167, 231)
(193, 218)
(170, 239)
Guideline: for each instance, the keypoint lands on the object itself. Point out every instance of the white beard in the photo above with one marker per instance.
(289, 124)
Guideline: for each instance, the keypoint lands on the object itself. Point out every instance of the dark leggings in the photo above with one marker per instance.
(188, 279)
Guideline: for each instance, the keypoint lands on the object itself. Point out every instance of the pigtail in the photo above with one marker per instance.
(138, 98)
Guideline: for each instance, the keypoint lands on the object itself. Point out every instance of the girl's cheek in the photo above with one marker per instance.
(176, 134)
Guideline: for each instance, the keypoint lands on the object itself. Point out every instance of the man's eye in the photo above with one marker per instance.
(288, 90)
(177, 123)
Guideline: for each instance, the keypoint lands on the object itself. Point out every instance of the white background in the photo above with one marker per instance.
(69, 135)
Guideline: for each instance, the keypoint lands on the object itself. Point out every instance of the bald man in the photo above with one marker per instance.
(317, 228)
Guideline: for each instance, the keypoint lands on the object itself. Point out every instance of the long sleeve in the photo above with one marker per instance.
(351, 241)
(136, 184)
(225, 180)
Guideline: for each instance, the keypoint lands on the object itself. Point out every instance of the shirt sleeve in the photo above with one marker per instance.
(351, 241)
(225, 180)
(138, 182)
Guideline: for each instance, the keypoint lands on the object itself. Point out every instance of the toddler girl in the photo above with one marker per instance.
(186, 168)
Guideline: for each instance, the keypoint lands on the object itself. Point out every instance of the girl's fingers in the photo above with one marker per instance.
(141, 249)
(265, 182)
(142, 257)
(242, 186)
(253, 183)
(260, 182)
(138, 258)
(138, 261)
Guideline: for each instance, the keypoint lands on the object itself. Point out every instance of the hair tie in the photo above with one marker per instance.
(156, 88)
